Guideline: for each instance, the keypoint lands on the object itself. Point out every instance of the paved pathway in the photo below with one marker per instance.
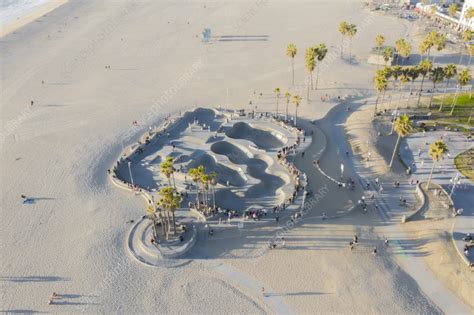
(389, 209)
(414, 151)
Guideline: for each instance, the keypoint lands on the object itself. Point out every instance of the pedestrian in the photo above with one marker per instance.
(386, 242)
(374, 252)
(262, 290)
(32, 103)
(283, 242)
(356, 239)
(351, 245)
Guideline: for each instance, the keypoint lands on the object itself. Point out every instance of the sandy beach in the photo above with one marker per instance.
(93, 68)
(16, 20)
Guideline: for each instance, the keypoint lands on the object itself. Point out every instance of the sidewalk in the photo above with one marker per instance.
(390, 210)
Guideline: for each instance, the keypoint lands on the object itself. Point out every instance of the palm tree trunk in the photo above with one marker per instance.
(286, 112)
(432, 94)
(197, 196)
(411, 91)
(174, 181)
(277, 107)
(307, 90)
(394, 151)
(311, 80)
(421, 89)
(296, 114)
(454, 102)
(376, 102)
(350, 49)
(460, 54)
(442, 99)
(293, 70)
(429, 178)
(317, 77)
(214, 196)
(174, 222)
(400, 98)
(342, 43)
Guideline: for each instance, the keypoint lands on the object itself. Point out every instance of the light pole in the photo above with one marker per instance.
(130, 171)
(455, 180)
(395, 115)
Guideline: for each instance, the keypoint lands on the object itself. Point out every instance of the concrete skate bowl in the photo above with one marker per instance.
(225, 174)
(263, 139)
(257, 166)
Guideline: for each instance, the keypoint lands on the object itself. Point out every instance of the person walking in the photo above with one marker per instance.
(374, 252)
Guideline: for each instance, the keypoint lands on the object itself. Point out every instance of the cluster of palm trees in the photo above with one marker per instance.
(349, 30)
(295, 99)
(313, 58)
(205, 185)
(169, 200)
(402, 75)
(164, 211)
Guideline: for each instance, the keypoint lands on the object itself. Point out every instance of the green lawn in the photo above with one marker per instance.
(462, 112)
(465, 163)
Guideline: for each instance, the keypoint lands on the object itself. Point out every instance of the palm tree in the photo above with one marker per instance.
(196, 174)
(387, 54)
(413, 73)
(151, 211)
(452, 9)
(428, 42)
(403, 48)
(343, 27)
(395, 72)
(449, 72)
(466, 37)
(277, 93)
(404, 79)
(463, 78)
(291, 52)
(205, 179)
(437, 150)
(166, 168)
(379, 41)
(380, 84)
(351, 32)
(321, 52)
(287, 97)
(170, 201)
(310, 66)
(424, 68)
(436, 76)
(440, 43)
(402, 127)
(296, 101)
(213, 182)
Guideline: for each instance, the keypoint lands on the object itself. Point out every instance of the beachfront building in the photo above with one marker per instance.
(458, 22)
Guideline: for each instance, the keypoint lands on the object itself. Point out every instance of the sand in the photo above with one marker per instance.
(36, 12)
(72, 240)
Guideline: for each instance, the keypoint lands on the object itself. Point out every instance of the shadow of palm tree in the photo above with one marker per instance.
(34, 279)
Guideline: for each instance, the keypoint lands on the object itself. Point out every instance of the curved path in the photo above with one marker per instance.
(414, 151)
(412, 264)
